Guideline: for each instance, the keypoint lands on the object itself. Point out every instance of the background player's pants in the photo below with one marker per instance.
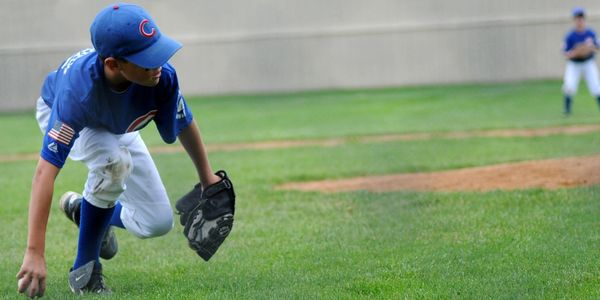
(120, 167)
(573, 74)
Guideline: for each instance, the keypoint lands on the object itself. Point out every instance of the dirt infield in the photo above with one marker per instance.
(546, 174)
(331, 142)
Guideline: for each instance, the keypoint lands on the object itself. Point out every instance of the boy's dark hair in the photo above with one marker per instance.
(102, 58)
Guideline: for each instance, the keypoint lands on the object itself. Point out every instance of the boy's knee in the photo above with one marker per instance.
(148, 223)
(107, 181)
(569, 90)
(118, 166)
(159, 226)
(163, 227)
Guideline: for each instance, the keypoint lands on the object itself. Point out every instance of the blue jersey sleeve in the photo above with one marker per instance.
(173, 114)
(568, 43)
(63, 129)
(593, 36)
(571, 40)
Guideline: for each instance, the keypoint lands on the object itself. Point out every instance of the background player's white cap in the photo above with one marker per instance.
(127, 31)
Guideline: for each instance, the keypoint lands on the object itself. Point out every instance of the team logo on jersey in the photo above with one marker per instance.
(180, 108)
(61, 133)
(143, 29)
(141, 121)
(53, 147)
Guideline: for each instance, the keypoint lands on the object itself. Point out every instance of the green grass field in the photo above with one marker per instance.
(285, 244)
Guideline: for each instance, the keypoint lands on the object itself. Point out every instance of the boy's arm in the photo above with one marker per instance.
(33, 269)
(206, 212)
(192, 143)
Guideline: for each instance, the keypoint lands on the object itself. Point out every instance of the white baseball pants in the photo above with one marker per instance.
(573, 73)
(120, 167)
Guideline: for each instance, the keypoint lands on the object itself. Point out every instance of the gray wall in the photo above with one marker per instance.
(281, 45)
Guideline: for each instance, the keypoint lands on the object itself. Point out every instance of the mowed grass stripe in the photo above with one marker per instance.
(331, 142)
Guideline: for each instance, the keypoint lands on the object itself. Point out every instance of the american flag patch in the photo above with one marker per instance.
(61, 132)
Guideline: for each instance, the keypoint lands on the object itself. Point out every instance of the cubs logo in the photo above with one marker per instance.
(143, 29)
(141, 121)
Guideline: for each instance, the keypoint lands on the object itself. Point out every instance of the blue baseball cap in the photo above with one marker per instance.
(127, 31)
(578, 12)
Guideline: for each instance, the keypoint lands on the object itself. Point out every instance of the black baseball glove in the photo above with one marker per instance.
(207, 215)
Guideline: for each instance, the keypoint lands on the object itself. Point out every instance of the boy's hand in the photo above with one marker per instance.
(32, 275)
(582, 51)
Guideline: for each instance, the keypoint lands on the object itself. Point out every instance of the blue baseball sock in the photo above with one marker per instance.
(93, 224)
(568, 102)
(115, 220)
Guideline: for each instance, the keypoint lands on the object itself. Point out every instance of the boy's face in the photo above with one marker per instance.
(579, 22)
(139, 75)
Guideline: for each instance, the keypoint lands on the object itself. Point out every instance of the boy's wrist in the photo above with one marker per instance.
(210, 179)
(34, 250)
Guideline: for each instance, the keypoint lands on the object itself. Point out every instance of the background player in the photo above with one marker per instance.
(580, 47)
(91, 109)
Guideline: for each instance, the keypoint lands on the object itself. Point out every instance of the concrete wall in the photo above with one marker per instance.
(278, 45)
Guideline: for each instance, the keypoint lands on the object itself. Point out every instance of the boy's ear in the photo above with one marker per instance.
(112, 63)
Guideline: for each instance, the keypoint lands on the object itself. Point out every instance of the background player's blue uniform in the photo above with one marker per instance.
(578, 66)
(575, 38)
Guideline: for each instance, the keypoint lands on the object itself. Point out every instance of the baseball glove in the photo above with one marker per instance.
(207, 215)
(582, 51)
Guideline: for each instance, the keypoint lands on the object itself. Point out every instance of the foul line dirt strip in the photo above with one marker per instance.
(546, 174)
(331, 142)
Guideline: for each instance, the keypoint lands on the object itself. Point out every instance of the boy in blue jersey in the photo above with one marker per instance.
(90, 110)
(580, 47)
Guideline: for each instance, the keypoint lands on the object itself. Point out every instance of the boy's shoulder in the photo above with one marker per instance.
(570, 34)
(77, 60)
(590, 32)
(79, 72)
(74, 78)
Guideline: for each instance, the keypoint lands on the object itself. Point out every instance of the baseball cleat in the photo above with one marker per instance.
(109, 245)
(70, 204)
(88, 279)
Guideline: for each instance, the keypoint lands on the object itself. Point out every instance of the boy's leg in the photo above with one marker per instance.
(129, 174)
(144, 206)
(109, 165)
(94, 223)
(591, 78)
(570, 84)
(568, 102)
